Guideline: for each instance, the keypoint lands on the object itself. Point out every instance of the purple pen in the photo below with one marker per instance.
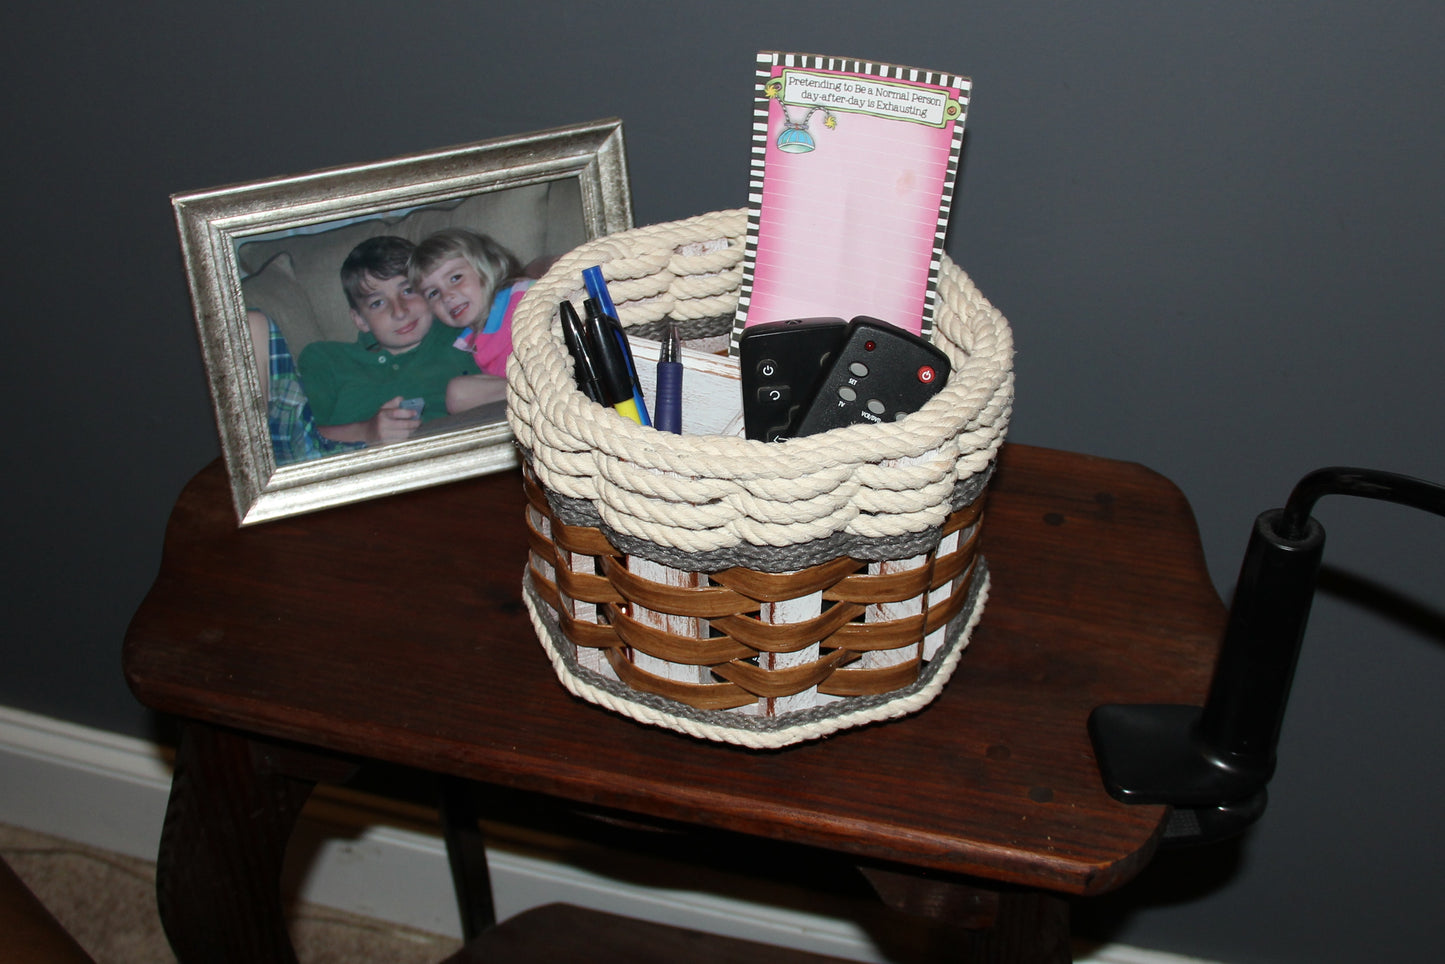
(667, 407)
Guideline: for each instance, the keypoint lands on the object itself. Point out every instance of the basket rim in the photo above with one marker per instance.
(976, 381)
(698, 493)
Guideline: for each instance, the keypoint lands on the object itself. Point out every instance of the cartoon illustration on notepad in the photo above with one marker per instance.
(795, 137)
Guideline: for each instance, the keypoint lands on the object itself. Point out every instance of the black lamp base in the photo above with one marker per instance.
(1212, 763)
(1151, 753)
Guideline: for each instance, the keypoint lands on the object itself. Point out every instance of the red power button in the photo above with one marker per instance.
(926, 374)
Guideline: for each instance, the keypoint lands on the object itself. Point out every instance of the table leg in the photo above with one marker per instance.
(218, 873)
(994, 926)
(467, 855)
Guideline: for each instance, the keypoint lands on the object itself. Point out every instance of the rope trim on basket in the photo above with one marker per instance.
(756, 732)
(786, 558)
(697, 494)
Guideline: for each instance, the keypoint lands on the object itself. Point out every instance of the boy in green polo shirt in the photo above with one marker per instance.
(356, 389)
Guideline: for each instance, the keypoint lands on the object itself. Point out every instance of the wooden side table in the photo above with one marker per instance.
(394, 630)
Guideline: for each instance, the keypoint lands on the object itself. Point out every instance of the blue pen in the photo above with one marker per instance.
(669, 383)
(597, 292)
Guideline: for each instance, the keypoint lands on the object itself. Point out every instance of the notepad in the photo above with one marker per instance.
(852, 181)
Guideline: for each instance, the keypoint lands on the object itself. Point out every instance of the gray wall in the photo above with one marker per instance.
(1214, 227)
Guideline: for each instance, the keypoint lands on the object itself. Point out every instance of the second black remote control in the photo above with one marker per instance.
(881, 374)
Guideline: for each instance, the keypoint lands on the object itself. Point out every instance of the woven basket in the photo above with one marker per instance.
(731, 589)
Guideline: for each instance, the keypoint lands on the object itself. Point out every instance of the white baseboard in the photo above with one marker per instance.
(110, 791)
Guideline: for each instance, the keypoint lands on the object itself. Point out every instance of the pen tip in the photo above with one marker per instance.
(671, 344)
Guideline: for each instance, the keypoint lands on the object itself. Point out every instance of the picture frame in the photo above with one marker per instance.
(276, 246)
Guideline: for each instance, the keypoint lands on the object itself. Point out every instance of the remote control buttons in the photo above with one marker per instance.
(781, 367)
(774, 394)
(876, 374)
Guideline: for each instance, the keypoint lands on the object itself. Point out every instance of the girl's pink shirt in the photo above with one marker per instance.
(491, 351)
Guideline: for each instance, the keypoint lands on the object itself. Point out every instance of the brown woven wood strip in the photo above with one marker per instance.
(583, 540)
(952, 565)
(702, 601)
(781, 682)
(675, 649)
(939, 616)
(585, 633)
(880, 635)
(882, 587)
(786, 637)
(776, 587)
(587, 586)
(870, 682)
(704, 696)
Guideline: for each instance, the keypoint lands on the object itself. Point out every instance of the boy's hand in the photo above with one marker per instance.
(392, 423)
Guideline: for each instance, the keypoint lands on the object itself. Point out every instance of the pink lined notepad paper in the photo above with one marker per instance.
(853, 172)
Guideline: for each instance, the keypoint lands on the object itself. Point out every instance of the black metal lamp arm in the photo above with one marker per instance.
(1212, 763)
(1365, 483)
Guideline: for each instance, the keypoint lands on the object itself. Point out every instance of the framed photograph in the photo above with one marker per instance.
(355, 278)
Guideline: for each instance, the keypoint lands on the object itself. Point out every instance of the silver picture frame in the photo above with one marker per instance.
(581, 166)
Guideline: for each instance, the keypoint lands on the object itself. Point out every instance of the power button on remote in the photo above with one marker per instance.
(926, 374)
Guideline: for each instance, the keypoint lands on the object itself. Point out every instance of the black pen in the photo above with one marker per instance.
(576, 340)
(611, 364)
(593, 307)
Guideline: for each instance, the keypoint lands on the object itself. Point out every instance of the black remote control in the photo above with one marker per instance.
(781, 364)
(881, 374)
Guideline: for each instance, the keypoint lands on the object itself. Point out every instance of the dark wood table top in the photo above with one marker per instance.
(394, 630)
